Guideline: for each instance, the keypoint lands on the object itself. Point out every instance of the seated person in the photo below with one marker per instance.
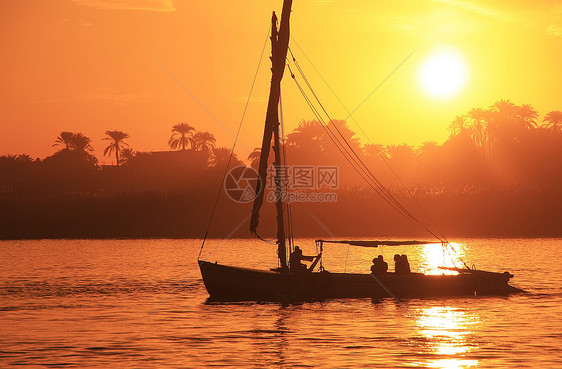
(398, 265)
(379, 265)
(405, 264)
(401, 264)
(295, 259)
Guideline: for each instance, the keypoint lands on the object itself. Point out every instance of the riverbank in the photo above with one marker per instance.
(464, 212)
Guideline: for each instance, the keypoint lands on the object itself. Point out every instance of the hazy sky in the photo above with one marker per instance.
(90, 66)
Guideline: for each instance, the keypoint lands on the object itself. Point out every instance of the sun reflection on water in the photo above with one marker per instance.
(433, 256)
(453, 363)
(446, 330)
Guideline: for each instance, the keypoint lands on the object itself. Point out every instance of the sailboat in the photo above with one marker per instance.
(287, 283)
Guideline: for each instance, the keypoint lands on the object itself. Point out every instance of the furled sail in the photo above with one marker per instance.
(279, 43)
(376, 243)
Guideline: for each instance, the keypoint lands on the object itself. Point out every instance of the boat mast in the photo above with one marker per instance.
(279, 46)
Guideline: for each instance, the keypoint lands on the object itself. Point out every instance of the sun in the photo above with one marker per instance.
(443, 74)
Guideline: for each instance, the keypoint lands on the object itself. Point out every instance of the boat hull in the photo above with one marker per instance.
(228, 283)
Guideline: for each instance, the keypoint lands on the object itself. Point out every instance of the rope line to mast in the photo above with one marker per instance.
(443, 237)
(337, 144)
(288, 203)
(354, 159)
(360, 171)
(350, 115)
(358, 159)
(356, 163)
(233, 147)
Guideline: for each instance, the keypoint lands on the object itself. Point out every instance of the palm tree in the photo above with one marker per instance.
(340, 129)
(459, 125)
(527, 116)
(81, 143)
(65, 139)
(400, 152)
(502, 123)
(428, 148)
(254, 158)
(478, 126)
(204, 141)
(553, 121)
(182, 136)
(505, 108)
(308, 134)
(116, 145)
(221, 156)
(374, 150)
(126, 155)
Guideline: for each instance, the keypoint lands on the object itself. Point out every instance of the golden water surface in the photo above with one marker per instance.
(141, 303)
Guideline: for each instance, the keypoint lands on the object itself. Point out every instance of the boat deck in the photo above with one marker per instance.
(227, 283)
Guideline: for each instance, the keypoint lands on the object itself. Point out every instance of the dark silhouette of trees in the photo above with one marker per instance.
(403, 159)
(501, 143)
(127, 154)
(77, 151)
(308, 134)
(81, 143)
(220, 158)
(116, 145)
(182, 136)
(553, 121)
(65, 139)
(527, 117)
(254, 158)
(459, 125)
(307, 144)
(16, 172)
(428, 148)
(341, 129)
(499, 172)
(204, 141)
(340, 132)
(72, 169)
(74, 141)
(477, 128)
(374, 150)
(503, 124)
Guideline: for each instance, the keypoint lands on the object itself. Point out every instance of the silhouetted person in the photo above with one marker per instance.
(295, 259)
(398, 269)
(405, 264)
(401, 264)
(379, 265)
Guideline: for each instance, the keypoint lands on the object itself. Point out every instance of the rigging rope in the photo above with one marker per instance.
(443, 238)
(358, 159)
(352, 157)
(288, 202)
(355, 161)
(233, 147)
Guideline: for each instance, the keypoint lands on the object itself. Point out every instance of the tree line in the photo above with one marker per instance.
(499, 172)
(183, 137)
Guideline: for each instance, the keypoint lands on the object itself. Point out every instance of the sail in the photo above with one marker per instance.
(376, 243)
(279, 45)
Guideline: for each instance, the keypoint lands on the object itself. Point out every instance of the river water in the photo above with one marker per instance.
(141, 303)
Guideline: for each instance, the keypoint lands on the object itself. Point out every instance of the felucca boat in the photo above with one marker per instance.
(285, 283)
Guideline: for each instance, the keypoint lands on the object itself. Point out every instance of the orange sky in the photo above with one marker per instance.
(86, 66)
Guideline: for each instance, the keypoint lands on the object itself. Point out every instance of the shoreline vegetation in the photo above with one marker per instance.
(498, 175)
